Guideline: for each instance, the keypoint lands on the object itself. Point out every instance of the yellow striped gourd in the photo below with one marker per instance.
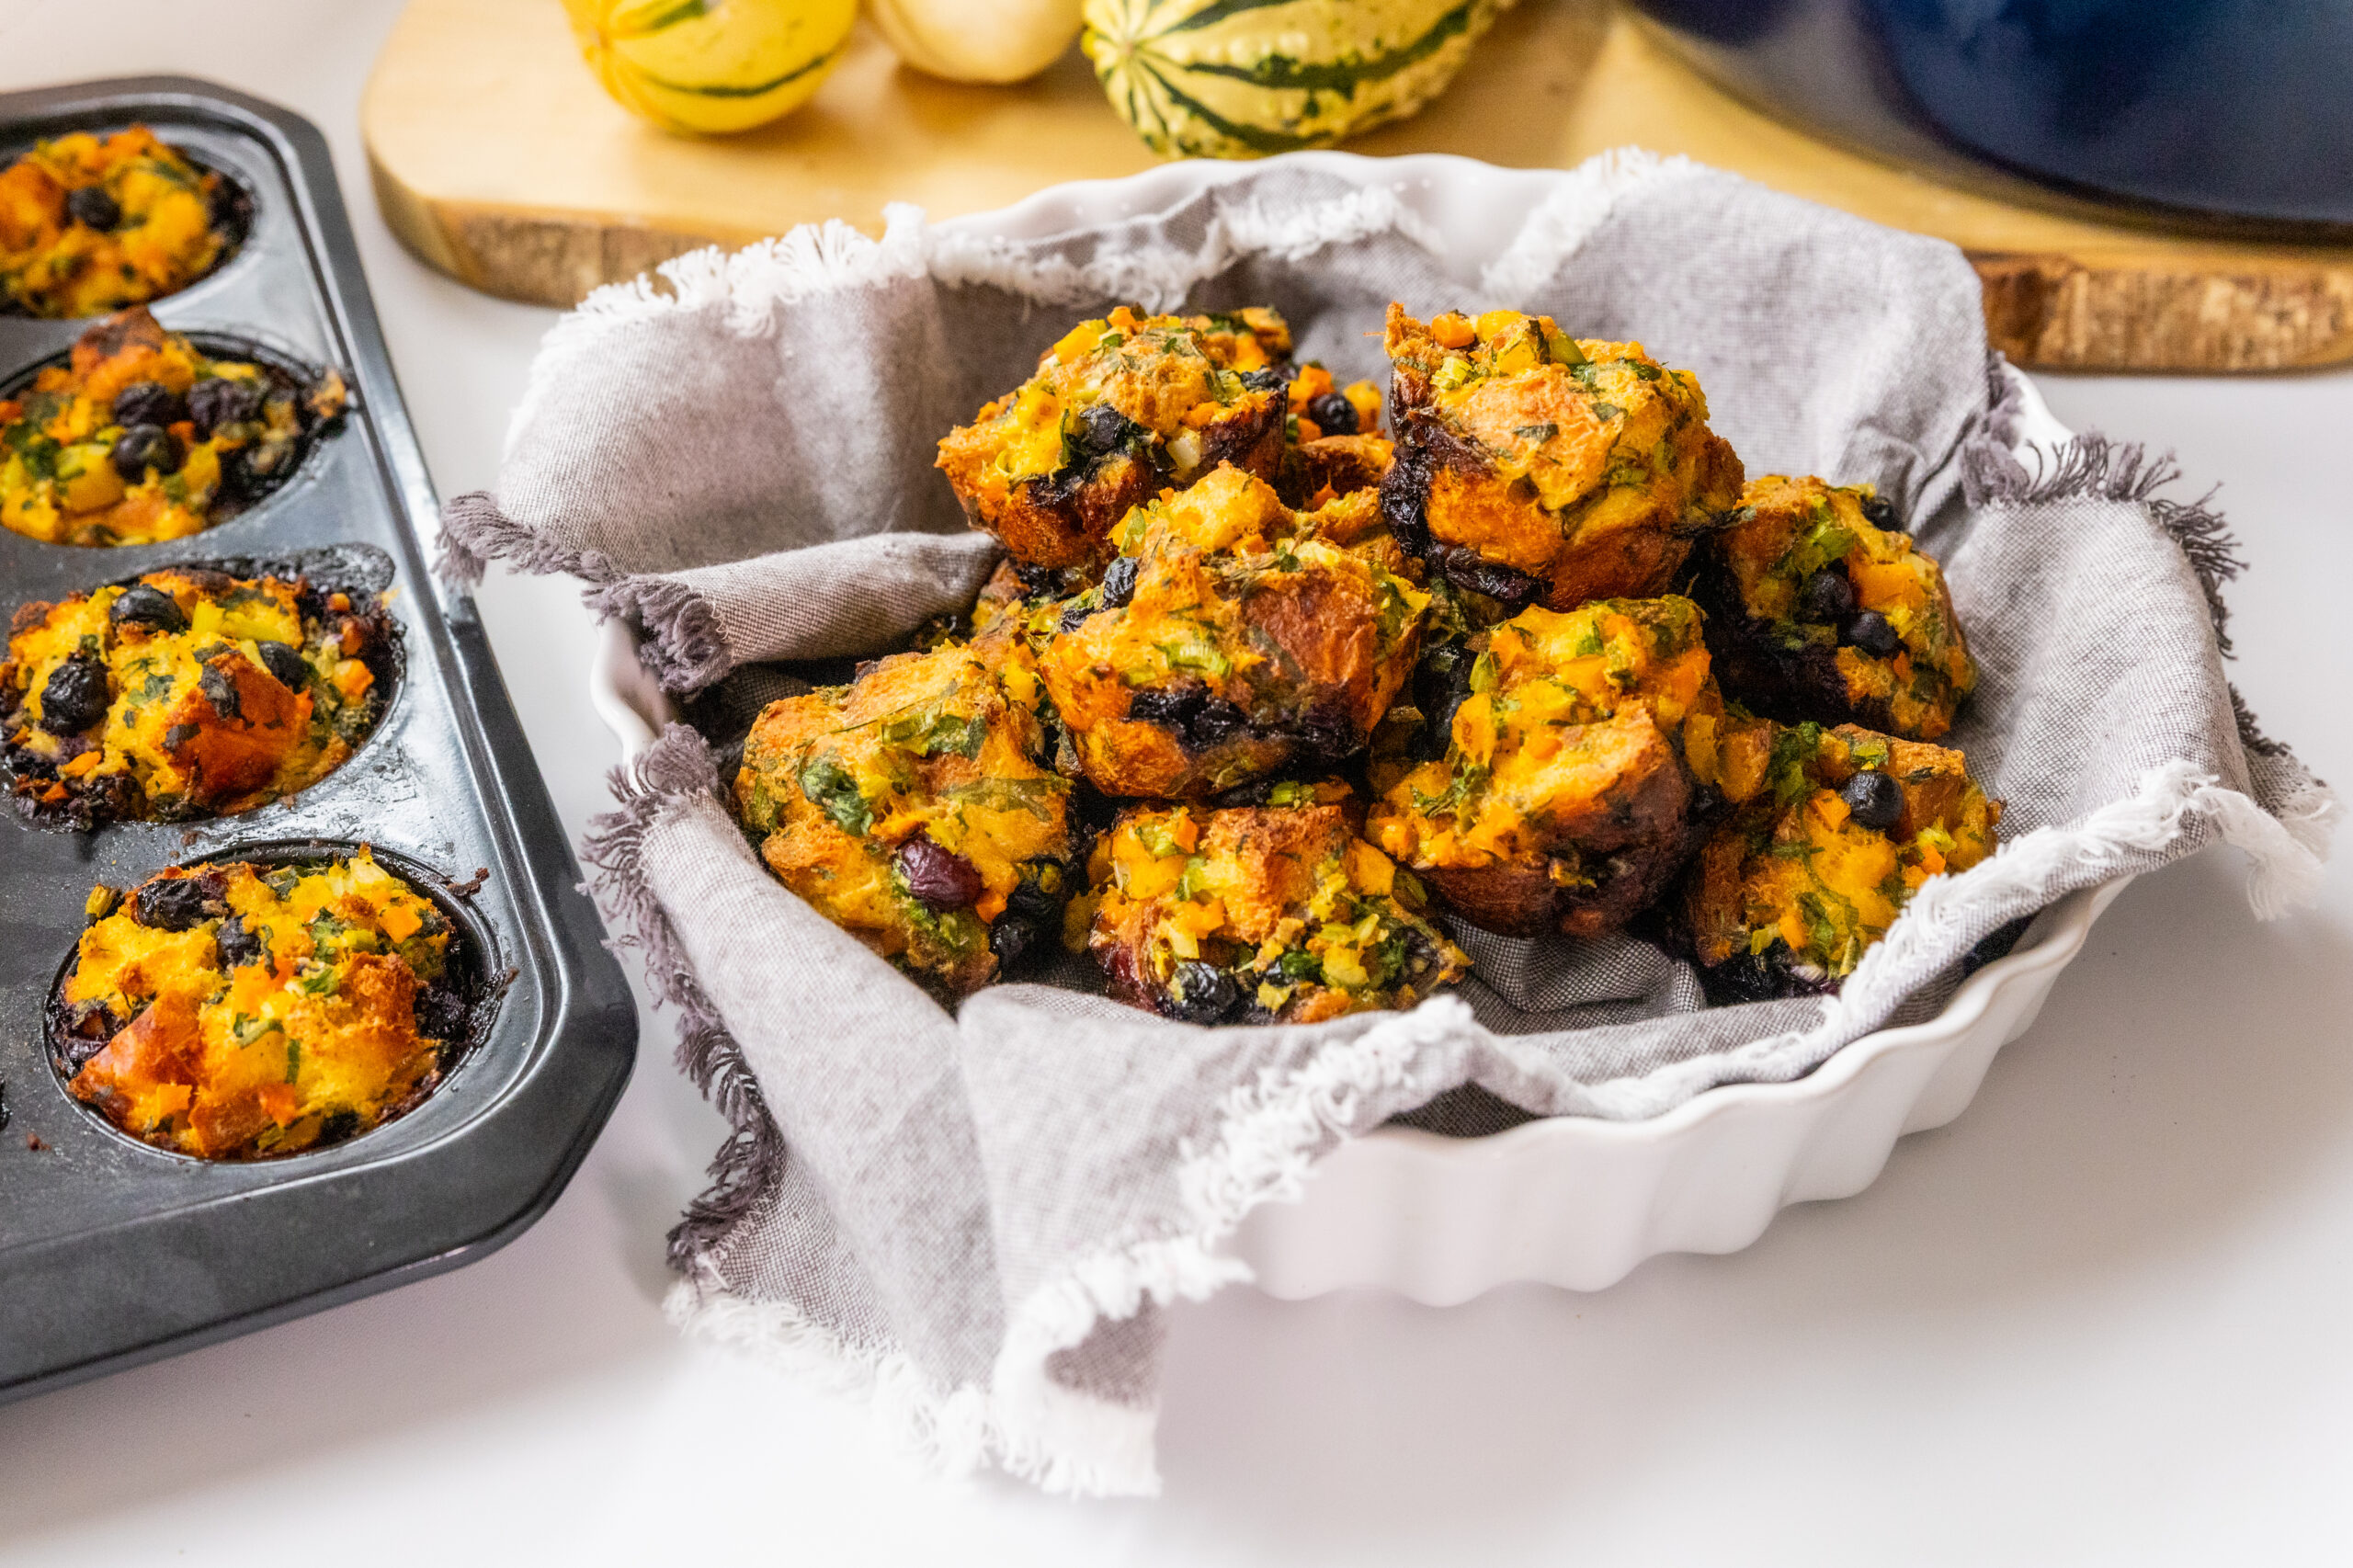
(711, 65)
(1244, 78)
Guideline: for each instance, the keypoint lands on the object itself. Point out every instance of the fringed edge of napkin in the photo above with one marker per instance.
(2092, 465)
(676, 765)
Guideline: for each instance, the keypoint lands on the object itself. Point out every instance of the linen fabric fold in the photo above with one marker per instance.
(977, 1218)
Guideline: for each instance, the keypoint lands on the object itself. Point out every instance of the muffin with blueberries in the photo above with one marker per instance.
(1819, 607)
(1278, 913)
(1832, 831)
(1537, 468)
(912, 808)
(92, 223)
(142, 436)
(1119, 410)
(237, 1010)
(1230, 639)
(186, 693)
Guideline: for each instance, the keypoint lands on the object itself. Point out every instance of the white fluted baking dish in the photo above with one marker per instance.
(1571, 1201)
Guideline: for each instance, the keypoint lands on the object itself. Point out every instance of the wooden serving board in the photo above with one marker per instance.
(498, 159)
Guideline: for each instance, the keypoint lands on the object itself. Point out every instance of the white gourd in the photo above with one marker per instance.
(977, 40)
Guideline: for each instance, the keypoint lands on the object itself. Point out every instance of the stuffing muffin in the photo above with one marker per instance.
(1832, 833)
(91, 223)
(140, 436)
(1536, 468)
(1819, 608)
(1575, 751)
(237, 1010)
(1231, 638)
(1118, 409)
(910, 808)
(186, 693)
(1272, 914)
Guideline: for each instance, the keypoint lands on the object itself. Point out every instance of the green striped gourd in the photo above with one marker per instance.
(1244, 78)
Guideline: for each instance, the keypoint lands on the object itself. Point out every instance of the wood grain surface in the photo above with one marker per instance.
(498, 159)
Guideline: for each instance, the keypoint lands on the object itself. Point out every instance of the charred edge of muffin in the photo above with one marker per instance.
(1758, 669)
(1423, 449)
(229, 214)
(357, 572)
(453, 1008)
(1772, 976)
(1321, 738)
(1199, 992)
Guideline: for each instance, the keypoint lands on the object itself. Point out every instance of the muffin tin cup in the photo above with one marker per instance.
(113, 1252)
(15, 140)
(356, 570)
(286, 366)
(473, 952)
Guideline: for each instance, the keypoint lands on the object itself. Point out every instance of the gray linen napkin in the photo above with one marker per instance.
(979, 1217)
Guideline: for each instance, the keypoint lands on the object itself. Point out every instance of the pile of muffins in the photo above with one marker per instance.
(1265, 704)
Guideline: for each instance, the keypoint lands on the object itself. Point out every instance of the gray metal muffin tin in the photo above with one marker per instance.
(112, 1252)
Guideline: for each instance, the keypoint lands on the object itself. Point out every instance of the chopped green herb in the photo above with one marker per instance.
(833, 790)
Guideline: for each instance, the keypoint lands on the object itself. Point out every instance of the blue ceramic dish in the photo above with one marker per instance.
(2239, 111)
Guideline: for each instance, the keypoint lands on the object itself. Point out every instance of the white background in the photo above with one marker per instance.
(2102, 1318)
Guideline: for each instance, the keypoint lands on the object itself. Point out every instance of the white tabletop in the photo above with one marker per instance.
(2102, 1318)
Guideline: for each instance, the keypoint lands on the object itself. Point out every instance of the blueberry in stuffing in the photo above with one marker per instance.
(148, 402)
(238, 945)
(143, 447)
(1829, 595)
(1120, 582)
(91, 205)
(75, 696)
(939, 878)
(285, 665)
(1202, 993)
(220, 400)
(1875, 800)
(1172, 708)
(1102, 428)
(1871, 633)
(1334, 414)
(179, 903)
